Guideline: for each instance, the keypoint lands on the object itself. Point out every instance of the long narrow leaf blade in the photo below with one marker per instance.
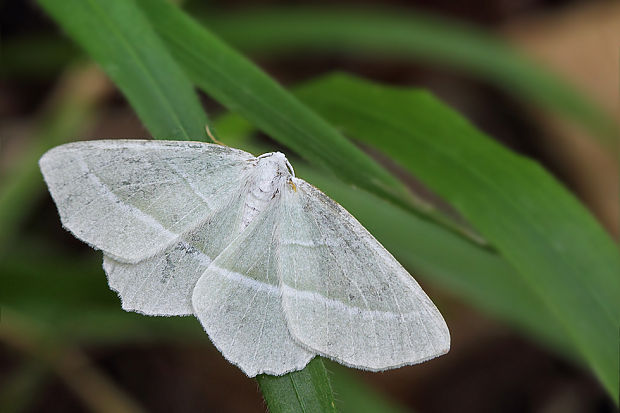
(118, 36)
(540, 228)
(412, 36)
(243, 88)
(305, 391)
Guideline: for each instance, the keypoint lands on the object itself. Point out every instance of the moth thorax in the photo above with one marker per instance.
(271, 173)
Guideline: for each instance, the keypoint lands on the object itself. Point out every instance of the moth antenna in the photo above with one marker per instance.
(213, 137)
(290, 168)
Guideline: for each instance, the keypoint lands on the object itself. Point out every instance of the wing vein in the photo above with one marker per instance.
(269, 298)
(190, 184)
(247, 310)
(107, 192)
(331, 253)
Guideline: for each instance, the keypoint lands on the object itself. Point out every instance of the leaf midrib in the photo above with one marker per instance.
(299, 399)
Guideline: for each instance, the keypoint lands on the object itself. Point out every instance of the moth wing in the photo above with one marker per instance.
(163, 284)
(344, 295)
(237, 300)
(132, 198)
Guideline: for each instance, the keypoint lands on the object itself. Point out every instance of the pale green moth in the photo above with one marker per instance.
(275, 270)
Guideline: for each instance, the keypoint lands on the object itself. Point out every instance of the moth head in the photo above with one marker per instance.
(277, 161)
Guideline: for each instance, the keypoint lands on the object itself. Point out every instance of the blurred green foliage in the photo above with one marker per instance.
(404, 35)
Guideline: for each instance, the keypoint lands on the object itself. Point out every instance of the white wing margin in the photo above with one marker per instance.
(344, 296)
(133, 198)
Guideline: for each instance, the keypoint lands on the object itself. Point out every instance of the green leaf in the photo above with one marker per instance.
(552, 241)
(243, 88)
(307, 390)
(118, 36)
(400, 34)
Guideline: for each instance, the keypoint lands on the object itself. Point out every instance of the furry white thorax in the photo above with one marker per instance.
(273, 171)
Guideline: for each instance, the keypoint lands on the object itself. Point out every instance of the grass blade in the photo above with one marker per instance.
(118, 36)
(552, 241)
(307, 390)
(243, 88)
(413, 36)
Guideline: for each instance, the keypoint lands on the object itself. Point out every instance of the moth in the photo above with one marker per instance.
(276, 271)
